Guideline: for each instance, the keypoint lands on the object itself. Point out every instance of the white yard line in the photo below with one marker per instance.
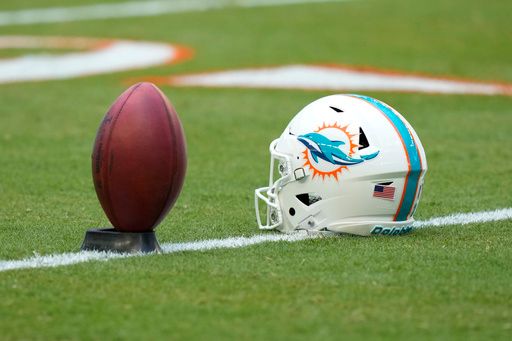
(467, 218)
(132, 9)
(336, 78)
(100, 56)
(49, 261)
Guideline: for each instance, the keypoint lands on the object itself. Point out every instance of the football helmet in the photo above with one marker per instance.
(345, 164)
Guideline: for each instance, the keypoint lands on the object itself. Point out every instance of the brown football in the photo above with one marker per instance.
(139, 159)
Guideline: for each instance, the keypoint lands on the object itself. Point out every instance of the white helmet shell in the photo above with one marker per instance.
(347, 164)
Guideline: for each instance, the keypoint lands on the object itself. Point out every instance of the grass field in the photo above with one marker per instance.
(444, 283)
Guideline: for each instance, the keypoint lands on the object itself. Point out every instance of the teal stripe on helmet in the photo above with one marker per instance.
(413, 155)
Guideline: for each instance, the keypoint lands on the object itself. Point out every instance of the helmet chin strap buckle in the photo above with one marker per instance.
(299, 173)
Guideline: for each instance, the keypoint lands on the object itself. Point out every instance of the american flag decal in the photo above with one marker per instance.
(384, 191)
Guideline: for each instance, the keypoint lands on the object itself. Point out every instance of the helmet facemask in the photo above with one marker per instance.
(269, 194)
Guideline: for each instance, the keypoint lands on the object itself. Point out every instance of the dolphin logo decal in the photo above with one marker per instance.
(330, 151)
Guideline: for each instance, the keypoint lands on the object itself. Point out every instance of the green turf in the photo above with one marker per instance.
(11, 5)
(447, 283)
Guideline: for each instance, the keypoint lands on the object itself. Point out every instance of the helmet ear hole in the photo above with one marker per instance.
(308, 199)
(363, 140)
(291, 211)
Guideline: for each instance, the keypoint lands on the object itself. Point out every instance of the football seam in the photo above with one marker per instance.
(174, 175)
(107, 145)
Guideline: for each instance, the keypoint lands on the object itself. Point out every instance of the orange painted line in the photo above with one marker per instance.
(504, 87)
(171, 54)
(182, 54)
(390, 72)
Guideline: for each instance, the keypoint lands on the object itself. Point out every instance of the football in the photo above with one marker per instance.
(139, 159)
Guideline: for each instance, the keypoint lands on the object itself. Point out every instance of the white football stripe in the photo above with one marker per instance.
(63, 259)
(132, 9)
(466, 218)
(100, 56)
(337, 78)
